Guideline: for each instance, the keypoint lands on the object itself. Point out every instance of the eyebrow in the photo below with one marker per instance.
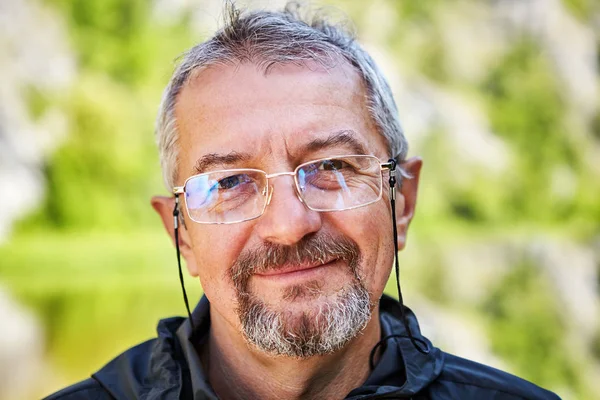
(211, 160)
(340, 138)
(336, 139)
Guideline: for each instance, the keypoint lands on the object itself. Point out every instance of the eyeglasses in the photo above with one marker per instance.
(327, 184)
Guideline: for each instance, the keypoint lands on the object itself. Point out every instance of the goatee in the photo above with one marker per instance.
(319, 331)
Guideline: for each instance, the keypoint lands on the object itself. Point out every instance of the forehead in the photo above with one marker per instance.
(231, 109)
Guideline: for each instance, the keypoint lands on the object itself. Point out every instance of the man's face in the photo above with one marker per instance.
(240, 117)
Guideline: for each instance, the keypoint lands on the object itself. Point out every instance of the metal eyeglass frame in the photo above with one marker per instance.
(269, 188)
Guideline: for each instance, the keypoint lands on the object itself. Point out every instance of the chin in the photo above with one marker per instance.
(314, 325)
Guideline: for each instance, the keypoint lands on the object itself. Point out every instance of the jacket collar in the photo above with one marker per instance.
(402, 370)
(169, 367)
(201, 389)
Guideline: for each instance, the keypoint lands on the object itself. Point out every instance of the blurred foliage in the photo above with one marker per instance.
(519, 303)
(99, 297)
(582, 9)
(107, 288)
(525, 107)
(104, 174)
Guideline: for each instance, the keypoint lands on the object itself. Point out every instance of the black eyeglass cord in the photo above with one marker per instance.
(415, 342)
(176, 228)
(382, 343)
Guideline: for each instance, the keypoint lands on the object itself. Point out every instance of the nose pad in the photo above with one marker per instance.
(286, 221)
(268, 191)
(299, 194)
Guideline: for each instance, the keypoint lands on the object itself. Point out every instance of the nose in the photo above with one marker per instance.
(286, 219)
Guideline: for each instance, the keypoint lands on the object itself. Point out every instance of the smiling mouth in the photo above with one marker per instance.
(294, 271)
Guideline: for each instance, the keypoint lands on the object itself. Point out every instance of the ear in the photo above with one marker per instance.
(164, 207)
(406, 203)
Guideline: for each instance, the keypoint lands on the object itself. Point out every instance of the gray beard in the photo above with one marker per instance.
(312, 333)
(322, 330)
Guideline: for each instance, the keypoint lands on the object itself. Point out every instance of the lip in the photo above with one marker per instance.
(293, 271)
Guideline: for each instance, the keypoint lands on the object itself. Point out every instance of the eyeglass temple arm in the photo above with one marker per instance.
(391, 166)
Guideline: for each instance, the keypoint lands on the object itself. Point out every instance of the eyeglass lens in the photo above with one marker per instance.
(331, 184)
(339, 183)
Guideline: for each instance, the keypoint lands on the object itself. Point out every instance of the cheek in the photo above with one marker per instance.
(216, 247)
(371, 228)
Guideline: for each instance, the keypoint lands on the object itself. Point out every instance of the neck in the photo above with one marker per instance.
(237, 371)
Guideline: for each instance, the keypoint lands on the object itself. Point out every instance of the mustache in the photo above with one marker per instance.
(317, 248)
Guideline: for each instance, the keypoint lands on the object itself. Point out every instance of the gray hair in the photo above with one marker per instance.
(268, 38)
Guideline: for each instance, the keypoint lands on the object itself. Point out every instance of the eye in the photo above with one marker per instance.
(232, 181)
(332, 165)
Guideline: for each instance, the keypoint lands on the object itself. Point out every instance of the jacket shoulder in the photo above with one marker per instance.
(469, 379)
(86, 389)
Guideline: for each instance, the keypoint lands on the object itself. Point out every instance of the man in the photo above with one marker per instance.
(281, 143)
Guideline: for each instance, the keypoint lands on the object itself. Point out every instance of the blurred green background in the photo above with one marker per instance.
(500, 98)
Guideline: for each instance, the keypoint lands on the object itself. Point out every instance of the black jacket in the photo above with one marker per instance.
(168, 368)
